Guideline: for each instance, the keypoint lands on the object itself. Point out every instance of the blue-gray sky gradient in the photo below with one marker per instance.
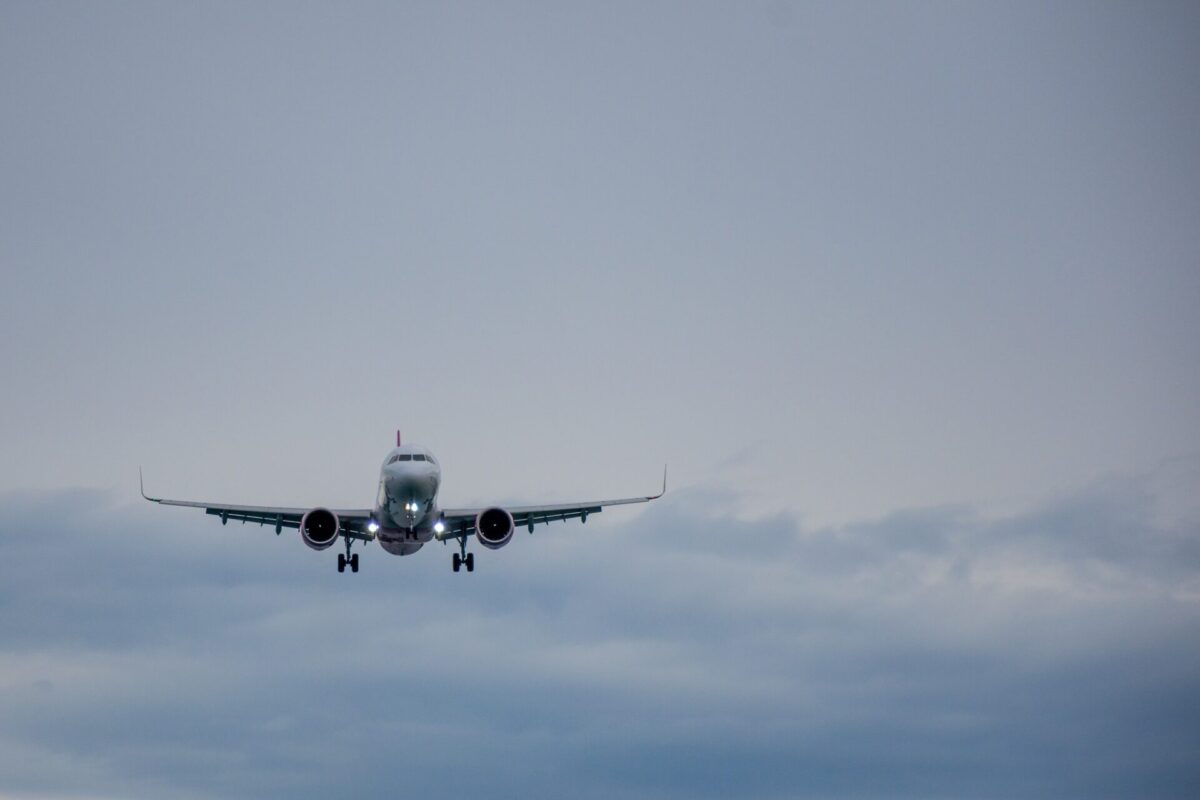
(906, 294)
(922, 254)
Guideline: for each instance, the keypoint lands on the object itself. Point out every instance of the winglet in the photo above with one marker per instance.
(142, 488)
(664, 486)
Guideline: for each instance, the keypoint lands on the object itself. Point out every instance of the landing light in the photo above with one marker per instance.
(372, 526)
(438, 526)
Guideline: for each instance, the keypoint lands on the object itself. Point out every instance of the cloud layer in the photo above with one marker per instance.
(680, 653)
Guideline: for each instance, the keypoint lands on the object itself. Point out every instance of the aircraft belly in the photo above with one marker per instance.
(402, 542)
(400, 547)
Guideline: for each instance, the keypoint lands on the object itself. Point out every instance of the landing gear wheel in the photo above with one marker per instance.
(470, 562)
(352, 560)
(457, 562)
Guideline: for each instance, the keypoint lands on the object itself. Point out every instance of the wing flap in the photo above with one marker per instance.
(353, 520)
(461, 522)
(353, 527)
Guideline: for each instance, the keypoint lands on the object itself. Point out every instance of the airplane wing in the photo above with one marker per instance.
(353, 520)
(460, 522)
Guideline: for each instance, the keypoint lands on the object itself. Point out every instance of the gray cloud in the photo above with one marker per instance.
(684, 652)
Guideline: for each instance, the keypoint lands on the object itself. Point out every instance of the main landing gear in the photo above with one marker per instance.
(465, 558)
(343, 560)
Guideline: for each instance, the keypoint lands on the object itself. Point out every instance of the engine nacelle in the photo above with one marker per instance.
(319, 528)
(494, 528)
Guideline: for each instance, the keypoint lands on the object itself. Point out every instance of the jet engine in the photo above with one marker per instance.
(319, 528)
(494, 528)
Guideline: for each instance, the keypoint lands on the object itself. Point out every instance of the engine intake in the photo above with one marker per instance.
(494, 528)
(319, 528)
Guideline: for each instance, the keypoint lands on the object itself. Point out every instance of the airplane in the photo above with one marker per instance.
(406, 515)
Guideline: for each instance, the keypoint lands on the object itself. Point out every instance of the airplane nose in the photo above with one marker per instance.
(406, 485)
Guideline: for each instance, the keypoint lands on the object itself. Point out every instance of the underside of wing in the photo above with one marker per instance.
(352, 522)
(460, 522)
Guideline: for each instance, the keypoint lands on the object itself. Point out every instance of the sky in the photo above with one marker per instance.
(905, 294)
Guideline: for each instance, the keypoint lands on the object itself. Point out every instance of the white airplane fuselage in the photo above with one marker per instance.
(406, 507)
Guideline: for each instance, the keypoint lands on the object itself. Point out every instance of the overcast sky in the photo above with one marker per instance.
(906, 294)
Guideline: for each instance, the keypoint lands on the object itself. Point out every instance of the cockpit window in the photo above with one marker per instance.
(411, 457)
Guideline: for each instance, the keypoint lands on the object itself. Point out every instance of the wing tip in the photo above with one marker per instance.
(664, 486)
(142, 489)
